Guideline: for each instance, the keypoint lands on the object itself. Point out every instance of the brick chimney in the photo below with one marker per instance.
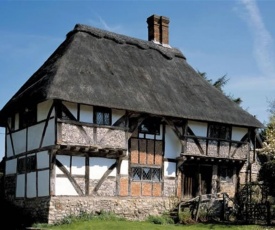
(158, 29)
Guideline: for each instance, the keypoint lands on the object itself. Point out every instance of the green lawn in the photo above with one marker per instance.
(133, 225)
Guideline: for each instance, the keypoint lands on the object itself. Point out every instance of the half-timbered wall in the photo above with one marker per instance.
(225, 154)
(198, 128)
(99, 166)
(172, 150)
(43, 109)
(16, 121)
(199, 144)
(31, 181)
(77, 133)
(75, 157)
(75, 165)
(30, 138)
(11, 166)
(238, 133)
(173, 147)
(39, 135)
(63, 186)
(85, 113)
(146, 160)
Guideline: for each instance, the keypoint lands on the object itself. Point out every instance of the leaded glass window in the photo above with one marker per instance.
(136, 173)
(219, 131)
(146, 174)
(102, 116)
(26, 164)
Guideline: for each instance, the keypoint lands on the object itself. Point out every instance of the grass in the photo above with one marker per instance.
(110, 221)
(126, 225)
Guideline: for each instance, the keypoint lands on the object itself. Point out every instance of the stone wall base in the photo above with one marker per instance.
(54, 209)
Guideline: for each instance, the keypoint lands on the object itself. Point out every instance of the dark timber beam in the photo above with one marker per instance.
(71, 179)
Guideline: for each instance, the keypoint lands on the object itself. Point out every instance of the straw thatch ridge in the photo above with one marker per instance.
(101, 68)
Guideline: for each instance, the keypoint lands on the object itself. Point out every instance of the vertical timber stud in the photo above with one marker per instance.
(119, 160)
(163, 152)
(129, 166)
(52, 172)
(185, 132)
(87, 175)
(46, 125)
(36, 175)
(8, 130)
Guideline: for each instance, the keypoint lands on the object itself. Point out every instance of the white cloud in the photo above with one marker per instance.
(256, 93)
(101, 23)
(263, 41)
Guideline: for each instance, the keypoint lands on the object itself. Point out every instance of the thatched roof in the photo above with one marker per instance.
(101, 68)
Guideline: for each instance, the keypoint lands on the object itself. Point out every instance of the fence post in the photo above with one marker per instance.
(198, 208)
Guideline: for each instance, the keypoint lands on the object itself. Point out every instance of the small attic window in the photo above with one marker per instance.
(27, 117)
(150, 125)
(102, 116)
(219, 131)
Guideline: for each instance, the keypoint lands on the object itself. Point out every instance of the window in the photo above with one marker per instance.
(146, 174)
(219, 131)
(27, 117)
(102, 116)
(21, 166)
(150, 126)
(226, 174)
(11, 122)
(26, 164)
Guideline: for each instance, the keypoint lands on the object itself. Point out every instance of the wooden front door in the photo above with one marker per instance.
(197, 180)
(205, 179)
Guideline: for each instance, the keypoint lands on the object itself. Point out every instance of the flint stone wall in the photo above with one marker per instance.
(53, 210)
(93, 136)
(169, 186)
(211, 148)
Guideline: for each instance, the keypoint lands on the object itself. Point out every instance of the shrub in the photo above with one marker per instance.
(103, 215)
(163, 219)
(185, 217)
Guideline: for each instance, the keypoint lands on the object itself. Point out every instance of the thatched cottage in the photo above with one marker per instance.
(115, 123)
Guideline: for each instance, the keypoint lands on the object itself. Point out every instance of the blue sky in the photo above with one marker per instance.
(219, 37)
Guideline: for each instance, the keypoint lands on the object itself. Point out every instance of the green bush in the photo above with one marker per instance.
(185, 217)
(163, 219)
(103, 215)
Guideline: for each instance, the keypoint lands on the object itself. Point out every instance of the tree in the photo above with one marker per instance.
(269, 135)
(267, 152)
(219, 84)
(271, 109)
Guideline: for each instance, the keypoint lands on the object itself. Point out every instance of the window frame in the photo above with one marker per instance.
(27, 164)
(150, 126)
(219, 131)
(152, 175)
(27, 117)
(103, 111)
